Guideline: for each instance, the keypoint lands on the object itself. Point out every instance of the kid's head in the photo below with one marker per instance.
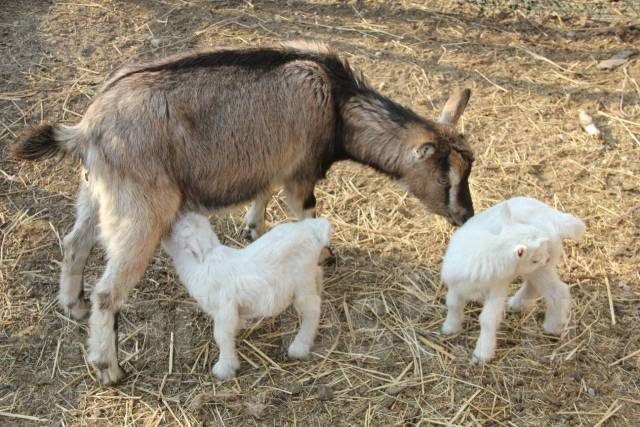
(531, 250)
(191, 235)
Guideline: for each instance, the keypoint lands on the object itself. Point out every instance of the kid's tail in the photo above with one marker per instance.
(47, 140)
(321, 229)
(570, 227)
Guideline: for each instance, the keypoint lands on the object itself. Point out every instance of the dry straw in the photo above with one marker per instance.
(379, 359)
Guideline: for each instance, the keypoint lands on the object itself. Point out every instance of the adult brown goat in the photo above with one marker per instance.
(210, 129)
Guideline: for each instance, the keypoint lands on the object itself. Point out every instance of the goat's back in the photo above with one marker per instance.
(220, 132)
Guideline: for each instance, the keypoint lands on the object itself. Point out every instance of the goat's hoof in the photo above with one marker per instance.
(224, 370)
(79, 310)
(327, 256)
(299, 351)
(251, 232)
(111, 375)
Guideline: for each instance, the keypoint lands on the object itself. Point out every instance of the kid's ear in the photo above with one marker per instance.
(193, 246)
(505, 211)
(424, 151)
(520, 250)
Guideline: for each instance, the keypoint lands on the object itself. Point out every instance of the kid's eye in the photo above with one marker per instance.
(443, 181)
(535, 261)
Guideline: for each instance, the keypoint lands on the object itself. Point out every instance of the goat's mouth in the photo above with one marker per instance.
(455, 221)
(458, 219)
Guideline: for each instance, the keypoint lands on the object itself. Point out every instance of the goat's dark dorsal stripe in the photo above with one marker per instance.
(257, 58)
(345, 83)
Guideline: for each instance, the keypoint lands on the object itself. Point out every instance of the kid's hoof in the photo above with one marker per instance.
(224, 371)
(299, 351)
(515, 305)
(480, 358)
(450, 328)
(555, 330)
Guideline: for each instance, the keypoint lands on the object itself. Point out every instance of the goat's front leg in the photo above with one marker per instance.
(77, 246)
(225, 325)
(254, 219)
(302, 203)
(308, 307)
(490, 319)
(300, 199)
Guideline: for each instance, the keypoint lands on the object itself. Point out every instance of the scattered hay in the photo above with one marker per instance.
(379, 358)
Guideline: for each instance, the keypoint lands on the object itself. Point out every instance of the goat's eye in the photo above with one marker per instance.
(443, 181)
(535, 261)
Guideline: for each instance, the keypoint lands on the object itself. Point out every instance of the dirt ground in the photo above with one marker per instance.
(380, 358)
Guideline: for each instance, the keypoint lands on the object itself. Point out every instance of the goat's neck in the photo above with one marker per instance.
(372, 137)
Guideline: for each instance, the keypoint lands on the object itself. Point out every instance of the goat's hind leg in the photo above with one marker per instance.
(77, 246)
(130, 230)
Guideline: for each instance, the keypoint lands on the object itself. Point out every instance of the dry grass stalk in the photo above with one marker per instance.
(379, 348)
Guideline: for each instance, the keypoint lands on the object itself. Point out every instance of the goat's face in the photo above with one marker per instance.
(440, 164)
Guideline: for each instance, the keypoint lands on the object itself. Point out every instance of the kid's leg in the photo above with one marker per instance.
(308, 307)
(455, 313)
(490, 319)
(557, 297)
(225, 325)
(524, 298)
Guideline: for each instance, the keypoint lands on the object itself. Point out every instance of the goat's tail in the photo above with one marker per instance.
(569, 227)
(47, 140)
(321, 229)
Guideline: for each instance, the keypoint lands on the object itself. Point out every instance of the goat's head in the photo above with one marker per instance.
(439, 164)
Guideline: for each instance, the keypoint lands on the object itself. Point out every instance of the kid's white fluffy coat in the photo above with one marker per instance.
(518, 237)
(260, 280)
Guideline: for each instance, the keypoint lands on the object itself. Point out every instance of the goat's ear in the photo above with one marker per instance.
(455, 106)
(520, 251)
(424, 151)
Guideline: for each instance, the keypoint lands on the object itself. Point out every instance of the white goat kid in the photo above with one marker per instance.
(519, 237)
(555, 225)
(261, 280)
